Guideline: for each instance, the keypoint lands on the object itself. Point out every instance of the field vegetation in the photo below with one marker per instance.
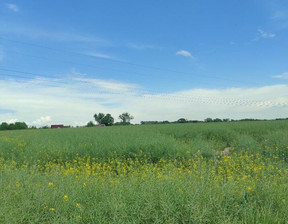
(169, 173)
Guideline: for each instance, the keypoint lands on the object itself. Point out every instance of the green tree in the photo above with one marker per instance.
(98, 117)
(90, 124)
(108, 120)
(208, 119)
(182, 120)
(13, 126)
(126, 118)
(20, 125)
(217, 120)
(4, 126)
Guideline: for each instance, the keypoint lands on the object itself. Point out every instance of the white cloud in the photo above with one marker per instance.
(284, 75)
(13, 7)
(13, 120)
(184, 53)
(75, 100)
(264, 35)
(42, 121)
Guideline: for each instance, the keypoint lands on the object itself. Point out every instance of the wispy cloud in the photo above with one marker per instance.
(284, 75)
(108, 85)
(279, 15)
(99, 55)
(184, 53)
(50, 35)
(264, 35)
(13, 7)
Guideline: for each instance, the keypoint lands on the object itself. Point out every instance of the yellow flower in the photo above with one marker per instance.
(65, 197)
(78, 205)
(249, 188)
(52, 209)
(50, 184)
(79, 217)
(84, 185)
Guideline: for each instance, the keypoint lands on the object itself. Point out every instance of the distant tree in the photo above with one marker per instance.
(44, 127)
(126, 117)
(217, 120)
(226, 119)
(90, 124)
(98, 117)
(4, 126)
(108, 120)
(20, 125)
(13, 126)
(208, 119)
(182, 120)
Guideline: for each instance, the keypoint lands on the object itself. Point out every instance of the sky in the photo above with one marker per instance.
(63, 61)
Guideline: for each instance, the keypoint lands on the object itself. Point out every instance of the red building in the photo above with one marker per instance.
(58, 126)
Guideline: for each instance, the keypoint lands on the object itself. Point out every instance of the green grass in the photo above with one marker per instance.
(146, 174)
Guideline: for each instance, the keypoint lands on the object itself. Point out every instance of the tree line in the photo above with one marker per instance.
(125, 118)
(13, 126)
(207, 120)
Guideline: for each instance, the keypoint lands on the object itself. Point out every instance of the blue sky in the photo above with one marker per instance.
(168, 56)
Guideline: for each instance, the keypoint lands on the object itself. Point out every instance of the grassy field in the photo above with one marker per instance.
(146, 174)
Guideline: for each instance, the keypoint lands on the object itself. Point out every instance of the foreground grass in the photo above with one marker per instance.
(156, 174)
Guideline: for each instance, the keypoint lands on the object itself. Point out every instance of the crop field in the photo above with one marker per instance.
(172, 173)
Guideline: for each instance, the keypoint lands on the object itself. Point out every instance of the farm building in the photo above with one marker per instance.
(58, 126)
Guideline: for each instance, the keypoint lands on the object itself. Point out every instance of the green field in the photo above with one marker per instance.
(146, 174)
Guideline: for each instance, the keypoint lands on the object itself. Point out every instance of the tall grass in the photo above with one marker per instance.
(146, 174)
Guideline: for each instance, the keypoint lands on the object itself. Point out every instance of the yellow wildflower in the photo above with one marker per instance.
(65, 197)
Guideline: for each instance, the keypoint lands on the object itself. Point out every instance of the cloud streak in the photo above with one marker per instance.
(99, 55)
(108, 85)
